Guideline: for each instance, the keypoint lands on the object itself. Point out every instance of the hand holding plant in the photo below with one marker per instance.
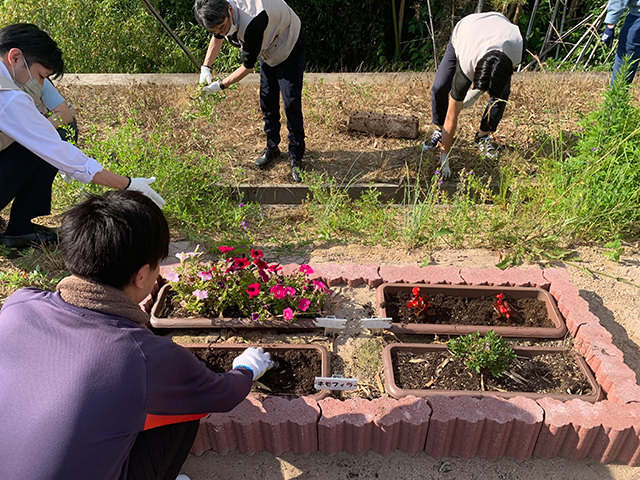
(246, 287)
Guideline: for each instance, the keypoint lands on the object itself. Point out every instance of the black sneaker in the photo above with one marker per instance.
(268, 156)
(296, 170)
(436, 139)
(42, 236)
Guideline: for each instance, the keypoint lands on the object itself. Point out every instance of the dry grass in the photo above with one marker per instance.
(540, 105)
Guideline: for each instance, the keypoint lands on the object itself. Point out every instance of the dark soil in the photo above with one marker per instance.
(456, 310)
(293, 377)
(547, 373)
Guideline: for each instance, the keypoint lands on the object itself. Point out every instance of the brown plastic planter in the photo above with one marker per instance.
(420, 348)
(558, 331)
(301, 324)
(325, 364)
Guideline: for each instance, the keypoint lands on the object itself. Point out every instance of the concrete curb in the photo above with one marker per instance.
(463, 426)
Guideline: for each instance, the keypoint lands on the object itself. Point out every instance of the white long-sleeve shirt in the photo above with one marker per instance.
(21, 121)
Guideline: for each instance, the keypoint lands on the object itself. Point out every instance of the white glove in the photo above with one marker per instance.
(470, 98)
(444, 166)
(65, 176)
(205, 75)
(215, 87)
(254, 359)
(142, 185)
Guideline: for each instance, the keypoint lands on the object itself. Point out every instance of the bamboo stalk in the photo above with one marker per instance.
(564, 16)
(533, 16)
(400, 20)
(433, 36)
(395, 26)
(594, 30)
(547, 36)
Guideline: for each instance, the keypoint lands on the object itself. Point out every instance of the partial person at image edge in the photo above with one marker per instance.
(629, 40)
(88, 391)
(31, 151)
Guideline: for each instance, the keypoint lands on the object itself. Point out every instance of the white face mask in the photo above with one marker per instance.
(32, 87)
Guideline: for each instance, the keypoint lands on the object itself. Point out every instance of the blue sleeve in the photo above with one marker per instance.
(615, 10)
(50, 95)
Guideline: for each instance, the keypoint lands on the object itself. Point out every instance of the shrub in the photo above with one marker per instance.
(490, 353)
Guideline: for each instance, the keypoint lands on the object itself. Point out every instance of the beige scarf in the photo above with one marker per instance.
(101, 298)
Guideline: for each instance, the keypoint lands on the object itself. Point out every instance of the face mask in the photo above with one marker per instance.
(32, 87)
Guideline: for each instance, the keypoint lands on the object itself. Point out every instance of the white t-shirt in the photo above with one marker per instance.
(479, 33)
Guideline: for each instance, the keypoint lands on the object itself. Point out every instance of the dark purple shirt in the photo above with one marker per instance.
(76, 387)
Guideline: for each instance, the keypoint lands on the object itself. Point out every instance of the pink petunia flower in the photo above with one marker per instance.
(261, 264)
(319, 285)
(306, 269)
(303, 304)
(274, 268)
(205, 276)
(278, 291)
(256, 253)
(171, 277)
(290, 291)
(240, 263)
(225, 249)
(200, 294)
(182, 256)
(253, 290)
(264, 276)
(287, 313)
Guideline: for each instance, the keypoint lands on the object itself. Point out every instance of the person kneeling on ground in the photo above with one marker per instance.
(88, 391)
(31, 151)
(483, 50)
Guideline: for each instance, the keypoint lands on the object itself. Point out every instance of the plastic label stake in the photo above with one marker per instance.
(335, 382)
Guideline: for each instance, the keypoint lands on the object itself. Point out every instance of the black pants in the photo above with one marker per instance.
(286, 79)
(26, 179)
(440, 95)
(158, 454)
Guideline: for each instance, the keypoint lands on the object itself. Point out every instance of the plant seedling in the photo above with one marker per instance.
(489, 353)
(503, 308)
(419, 305)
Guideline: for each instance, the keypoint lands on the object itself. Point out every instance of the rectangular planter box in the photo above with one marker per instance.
(157, 321)
(419, 348)
(273, 347)
(558, 331)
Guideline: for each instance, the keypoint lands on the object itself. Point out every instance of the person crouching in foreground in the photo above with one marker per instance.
(88, 391)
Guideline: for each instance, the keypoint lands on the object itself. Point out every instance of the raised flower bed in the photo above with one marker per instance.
(475, 306)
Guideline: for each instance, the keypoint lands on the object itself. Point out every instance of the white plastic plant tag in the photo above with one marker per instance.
(376, 322)
(335, 383)
(330, 322)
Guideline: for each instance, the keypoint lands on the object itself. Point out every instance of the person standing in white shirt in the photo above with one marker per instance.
(31, 151)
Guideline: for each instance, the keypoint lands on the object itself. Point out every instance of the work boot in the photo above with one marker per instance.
(268, 156)
(487, 149)
(296, 170)
(436, 139)
(43, 236)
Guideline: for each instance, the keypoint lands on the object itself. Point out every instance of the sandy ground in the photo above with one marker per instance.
(614, 302)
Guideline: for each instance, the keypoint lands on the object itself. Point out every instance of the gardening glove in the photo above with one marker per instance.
(142, 185)
(607, 36)
(65, 176)
(205, 75)
(215, 87)
(444, 166)
(470, 98)
(254, 359)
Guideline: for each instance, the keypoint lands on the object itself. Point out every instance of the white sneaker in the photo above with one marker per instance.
(182, 477)
(436, 138)
(487, 149)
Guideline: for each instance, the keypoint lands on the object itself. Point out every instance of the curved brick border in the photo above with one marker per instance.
(491, 428)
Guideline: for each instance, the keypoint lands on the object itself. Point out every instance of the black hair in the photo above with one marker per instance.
(36, 45)
(108, 238)
(493, 73)
(211, 13)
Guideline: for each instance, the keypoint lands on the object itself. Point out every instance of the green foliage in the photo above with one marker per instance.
(37, 277)
(616, 250)
(246, 286)
(490, 353)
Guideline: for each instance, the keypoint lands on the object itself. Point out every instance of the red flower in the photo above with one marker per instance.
(261, 264)
(274, 268)
(225, 249)
(263, 276)
(240, 263)
(253, 290)
(416, 291)
(500, 296)
(256, 253)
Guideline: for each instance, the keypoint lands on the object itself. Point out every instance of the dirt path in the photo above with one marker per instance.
(616, 304)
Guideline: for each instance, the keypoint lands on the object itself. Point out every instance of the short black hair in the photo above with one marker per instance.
(211, 13)
(36, 45)
(493, 73)
(108, 238)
